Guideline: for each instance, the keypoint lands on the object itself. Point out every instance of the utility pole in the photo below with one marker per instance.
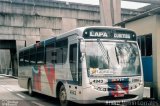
(110, 11)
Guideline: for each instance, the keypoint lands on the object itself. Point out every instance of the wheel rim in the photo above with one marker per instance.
(63, 96)
(30, 88)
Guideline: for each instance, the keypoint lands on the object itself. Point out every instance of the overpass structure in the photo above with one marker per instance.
(24, 22)
(111, 10)
(29, 21)
(146, 1)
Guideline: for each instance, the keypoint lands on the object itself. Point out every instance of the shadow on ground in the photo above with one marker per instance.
(51, 100)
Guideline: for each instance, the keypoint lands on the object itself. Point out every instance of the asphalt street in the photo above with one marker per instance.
(12, 95)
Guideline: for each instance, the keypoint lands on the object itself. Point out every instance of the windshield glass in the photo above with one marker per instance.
(112, 59)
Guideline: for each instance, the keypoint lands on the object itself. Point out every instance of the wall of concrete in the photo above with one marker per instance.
(151, 25)
(28, 21)
(157, 42)
(34, 20)
(5, 61)
(143, 26)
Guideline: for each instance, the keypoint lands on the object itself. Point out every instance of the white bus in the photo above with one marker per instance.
(85, 65)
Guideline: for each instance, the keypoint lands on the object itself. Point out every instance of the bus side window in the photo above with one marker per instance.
(21, 59)
(40, 54)
(26, 57)
(61, 51)
(32, 56)
(73, 61)
(59, 56)
(50, 53)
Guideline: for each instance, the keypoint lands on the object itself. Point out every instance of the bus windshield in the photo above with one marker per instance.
(112, 59)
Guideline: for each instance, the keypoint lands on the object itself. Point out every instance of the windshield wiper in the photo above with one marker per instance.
(104, 52)
(117, 55)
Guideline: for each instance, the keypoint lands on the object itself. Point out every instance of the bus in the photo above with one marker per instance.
(94, 64)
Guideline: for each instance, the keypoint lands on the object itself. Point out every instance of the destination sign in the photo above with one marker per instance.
(109, 34)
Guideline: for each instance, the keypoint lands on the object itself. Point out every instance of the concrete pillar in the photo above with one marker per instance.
(32, 40)
(155, 62)
(14, 62)
(110, 11)
(4, 61)
(68, 24)
(46, 33)
(20, 44)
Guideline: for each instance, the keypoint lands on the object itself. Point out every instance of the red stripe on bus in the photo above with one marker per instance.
(50, 72)
(116, 93)
(37, 79)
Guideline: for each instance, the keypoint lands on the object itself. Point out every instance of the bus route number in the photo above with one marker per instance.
(97, 81)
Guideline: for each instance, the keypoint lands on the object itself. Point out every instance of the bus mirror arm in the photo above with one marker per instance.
(82, 57)
(82, 47)
(80, 38)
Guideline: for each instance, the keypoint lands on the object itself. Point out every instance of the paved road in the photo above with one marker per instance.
(12, 95)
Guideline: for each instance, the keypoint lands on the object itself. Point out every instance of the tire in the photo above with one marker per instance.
(30, 88)
(63, 96)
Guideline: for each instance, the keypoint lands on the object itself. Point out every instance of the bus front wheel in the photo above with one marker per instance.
(30, 90)
(63, 96)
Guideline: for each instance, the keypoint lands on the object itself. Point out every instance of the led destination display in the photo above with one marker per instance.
(109, 34)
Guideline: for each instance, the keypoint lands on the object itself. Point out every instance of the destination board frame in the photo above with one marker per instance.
(104, 33)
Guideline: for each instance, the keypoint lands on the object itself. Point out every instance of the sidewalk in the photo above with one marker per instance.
(10, 76)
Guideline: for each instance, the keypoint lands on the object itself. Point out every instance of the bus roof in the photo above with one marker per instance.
(78, 31)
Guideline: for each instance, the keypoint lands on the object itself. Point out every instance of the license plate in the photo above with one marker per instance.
(119, 95)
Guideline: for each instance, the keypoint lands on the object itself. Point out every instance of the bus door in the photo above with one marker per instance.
(74, 85)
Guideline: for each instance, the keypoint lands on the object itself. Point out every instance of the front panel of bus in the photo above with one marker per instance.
(111, 65)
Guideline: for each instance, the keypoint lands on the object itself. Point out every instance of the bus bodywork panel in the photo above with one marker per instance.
(115, 91)
(65, 64)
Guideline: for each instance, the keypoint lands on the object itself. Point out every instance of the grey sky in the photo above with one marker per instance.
(124, 4)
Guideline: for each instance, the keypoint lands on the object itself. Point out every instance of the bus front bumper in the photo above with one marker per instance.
(93, 96)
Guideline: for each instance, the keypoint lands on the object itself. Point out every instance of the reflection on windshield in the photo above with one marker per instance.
(123, 59)
(94, 55)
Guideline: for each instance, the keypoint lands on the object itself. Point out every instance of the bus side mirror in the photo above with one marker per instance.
(82, 47)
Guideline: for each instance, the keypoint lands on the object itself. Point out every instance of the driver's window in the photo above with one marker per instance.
(73, 61)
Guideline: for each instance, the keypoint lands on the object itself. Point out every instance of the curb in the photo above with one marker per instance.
(10, 76)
